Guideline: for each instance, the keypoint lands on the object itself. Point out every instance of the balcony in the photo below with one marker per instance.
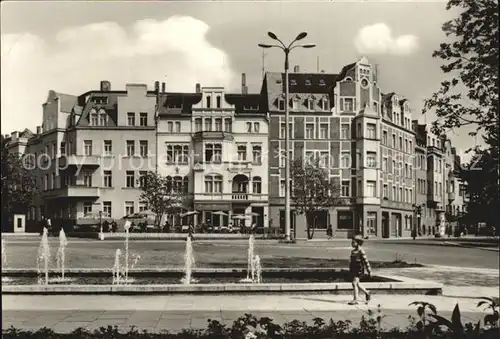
(213, 135)
(232, 197)
(66, 161)
(74, 191)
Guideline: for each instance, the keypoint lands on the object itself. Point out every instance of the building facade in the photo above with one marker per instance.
(225, 153)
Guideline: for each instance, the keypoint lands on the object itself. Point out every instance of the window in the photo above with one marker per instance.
(62, 149)
(371, 159)
(208, 124)
(130, 179)
(142, 206)
(345, 131)
(411, 196)
(227, 125)
(394, 196)
(142, 179)
(375, 107)
(130, 148)
(324, 159)
(256, 127)
(440, 189)
(249, 127)
(257, 185)
(177, 154)
(346, 188)
(281, 104)
(103, 119)
(371, 221)
(87, 147)
(345, 160)
(393, 140)
(213, 184)
(143, 148)
(108, 179)
(185, 185)
(218, 124)
(242, 152)
(295, 104)
(218, 101)
(213, 153)
(400, 143)
(410, 172)
(371, 134)
(323, 103)
(349, 104)
(358, 131)
(93, 119)
(282, 188)
(257, 154)
(53, 181)
(143, 119)
(323, 131)
(87, 207)
(209, 102)
(170, 126)
(197, 124)
(129, 207)
(309, 131)
(384, 137)
(310, 104)
(406, 171)
(384, 165)
(108, 148)
(106, 209)
(411, 146)
(400, 196)
(371, 189)
(283, 157)
(282, 131)
(407, 198)
(406, 146)
(177, 127)
(345, 220)
(131, 119)
(385, 192)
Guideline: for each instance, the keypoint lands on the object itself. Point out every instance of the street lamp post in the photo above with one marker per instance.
(287, 50)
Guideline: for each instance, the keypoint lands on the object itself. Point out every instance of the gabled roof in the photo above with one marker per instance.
(344, 71)
(111, 108)
(67, 102)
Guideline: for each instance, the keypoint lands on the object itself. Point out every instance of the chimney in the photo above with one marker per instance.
(296, 69)
(105, 86)
(163, 87)
(198, 88)
(244, 88)
(38, 130)
(14, 136)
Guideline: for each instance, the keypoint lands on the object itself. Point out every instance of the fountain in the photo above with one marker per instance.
(116, 268)
(189, 263)
(61, 252)
(257, 270)
(251, 268)
(43, 256)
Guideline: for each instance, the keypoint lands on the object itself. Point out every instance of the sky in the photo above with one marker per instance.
(71, 46)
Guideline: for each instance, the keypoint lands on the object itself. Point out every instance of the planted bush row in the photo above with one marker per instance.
(428, 325)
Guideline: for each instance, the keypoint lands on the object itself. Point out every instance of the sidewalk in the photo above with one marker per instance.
(157, 313)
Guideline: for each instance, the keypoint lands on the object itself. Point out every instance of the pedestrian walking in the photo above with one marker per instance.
(358, 266)
(329, 231)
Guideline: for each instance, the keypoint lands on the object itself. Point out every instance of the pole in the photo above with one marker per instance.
(157, 116)
(287, 150)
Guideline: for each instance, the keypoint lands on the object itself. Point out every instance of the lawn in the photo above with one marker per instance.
(96, 254)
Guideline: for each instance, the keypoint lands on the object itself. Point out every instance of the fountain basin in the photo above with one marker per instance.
(214, 281)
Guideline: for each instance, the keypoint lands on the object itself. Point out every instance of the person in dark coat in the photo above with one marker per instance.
(358, 266)
(329, 231)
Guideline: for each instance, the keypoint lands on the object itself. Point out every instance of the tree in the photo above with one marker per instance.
(481, 184)
(160, 195)
(472, 63)
(313, 190)
(18, 186)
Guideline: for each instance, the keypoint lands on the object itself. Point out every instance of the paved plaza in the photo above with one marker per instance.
(157, 313)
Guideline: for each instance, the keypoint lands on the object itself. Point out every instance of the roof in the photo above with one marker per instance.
(246, 103)
(67, 102)
(110, 107)
(175, 102)
(345, 69)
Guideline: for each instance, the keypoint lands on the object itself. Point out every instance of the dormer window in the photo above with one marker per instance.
(324, 104)
(295, 104)
(308, 82)
(395, 100)
(103, 119)
(93, 119)
(310, 104)
(281, 104)
(293, 82)
(348, 79)
(322, 82)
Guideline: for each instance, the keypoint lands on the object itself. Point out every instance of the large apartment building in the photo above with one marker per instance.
(226, 153)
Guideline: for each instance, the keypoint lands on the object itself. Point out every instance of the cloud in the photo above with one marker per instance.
(378, 39)
(175, 51)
